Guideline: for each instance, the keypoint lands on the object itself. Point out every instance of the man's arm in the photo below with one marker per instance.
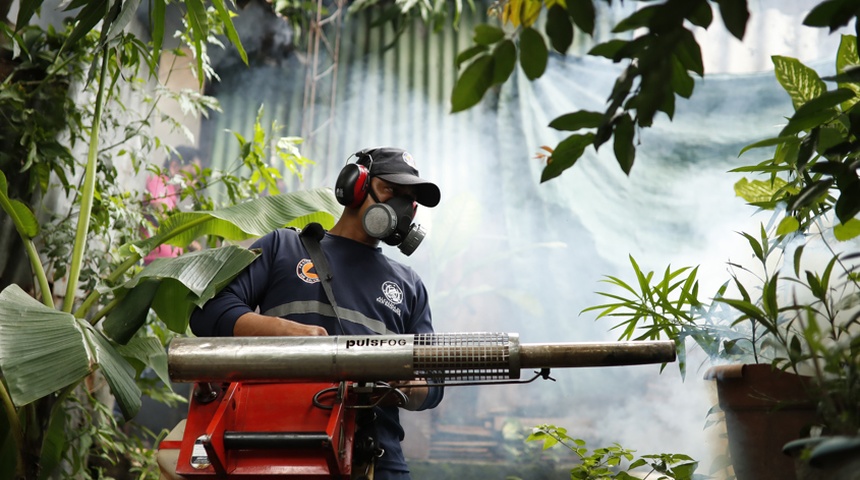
(232, 311)
(253, 324)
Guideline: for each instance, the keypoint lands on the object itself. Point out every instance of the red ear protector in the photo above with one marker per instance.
(353, 181)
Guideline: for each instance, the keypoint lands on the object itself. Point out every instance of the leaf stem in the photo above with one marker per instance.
(32, 254)
(39, 273)
(88, 193)
(105, 310)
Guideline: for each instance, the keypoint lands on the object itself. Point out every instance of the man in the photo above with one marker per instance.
(374, 294)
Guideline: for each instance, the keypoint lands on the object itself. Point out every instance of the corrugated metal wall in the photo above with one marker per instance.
(398, 95)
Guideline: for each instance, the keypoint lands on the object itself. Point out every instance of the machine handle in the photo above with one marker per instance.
(275, 440)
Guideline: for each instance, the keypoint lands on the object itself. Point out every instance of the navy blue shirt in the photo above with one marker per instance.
(374, 294)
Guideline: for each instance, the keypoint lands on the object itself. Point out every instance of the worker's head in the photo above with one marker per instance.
(394, 165)
(384, 183)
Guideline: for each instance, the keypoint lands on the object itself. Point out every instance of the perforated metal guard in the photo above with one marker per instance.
(466, 357)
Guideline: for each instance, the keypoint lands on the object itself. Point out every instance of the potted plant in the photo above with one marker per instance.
(832, 450)
(814, 174)
(792, 313)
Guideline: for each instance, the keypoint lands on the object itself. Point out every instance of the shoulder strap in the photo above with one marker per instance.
(311, 236)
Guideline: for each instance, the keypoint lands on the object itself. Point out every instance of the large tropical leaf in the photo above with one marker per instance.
(323, 218)
(179, 284)
(131, 312)
(43, 350)
(174, 286)
(118, 372)
(142, 352)
(246, 220)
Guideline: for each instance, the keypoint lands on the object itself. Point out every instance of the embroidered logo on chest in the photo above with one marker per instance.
(305, 271)
(392, 296)
(392, 292)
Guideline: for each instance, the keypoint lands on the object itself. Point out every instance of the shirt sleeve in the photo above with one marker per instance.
(218, 316)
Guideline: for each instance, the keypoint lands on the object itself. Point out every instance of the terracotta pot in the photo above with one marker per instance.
(764, 408)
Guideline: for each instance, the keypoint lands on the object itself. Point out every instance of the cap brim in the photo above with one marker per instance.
(426, 193)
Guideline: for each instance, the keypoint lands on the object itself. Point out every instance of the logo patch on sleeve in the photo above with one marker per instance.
(305, 271)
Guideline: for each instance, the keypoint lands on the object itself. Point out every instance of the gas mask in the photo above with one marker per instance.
(391, 222)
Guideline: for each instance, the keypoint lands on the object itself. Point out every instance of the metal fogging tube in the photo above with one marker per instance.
(360, 358)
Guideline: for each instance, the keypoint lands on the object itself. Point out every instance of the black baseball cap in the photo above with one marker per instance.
(398, 167)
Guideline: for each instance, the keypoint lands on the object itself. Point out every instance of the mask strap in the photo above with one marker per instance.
(372, 193)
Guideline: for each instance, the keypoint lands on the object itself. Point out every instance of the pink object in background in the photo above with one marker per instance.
(162, 193)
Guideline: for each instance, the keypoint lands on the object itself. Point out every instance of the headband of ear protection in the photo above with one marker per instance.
(353, 181)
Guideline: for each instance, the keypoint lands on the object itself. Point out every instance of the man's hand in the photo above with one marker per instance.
(416, 395)
(255, 325)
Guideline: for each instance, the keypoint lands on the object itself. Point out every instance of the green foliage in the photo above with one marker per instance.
(533, 53)
(36, 111)
(468, 91)
(791, 322)
(832, 13)
(784, 308)
(664, 308)
(614, 462)
(661, 59)
(22, 377)
(818, 143)
(559, 29)
(174, 288)
(816, 152)
(401, 14)
(101, 447)
(53, 359)
(566, 154)
(21, 215)
(260, 154)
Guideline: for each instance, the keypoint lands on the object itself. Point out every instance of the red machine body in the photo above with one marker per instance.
(267, 429)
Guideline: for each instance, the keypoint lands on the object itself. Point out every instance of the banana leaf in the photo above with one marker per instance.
(43, 350)
(246, 220)
(142, 352)
(118, 372)
(173, 287)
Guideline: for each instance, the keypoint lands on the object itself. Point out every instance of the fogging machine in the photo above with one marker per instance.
(286, 406)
